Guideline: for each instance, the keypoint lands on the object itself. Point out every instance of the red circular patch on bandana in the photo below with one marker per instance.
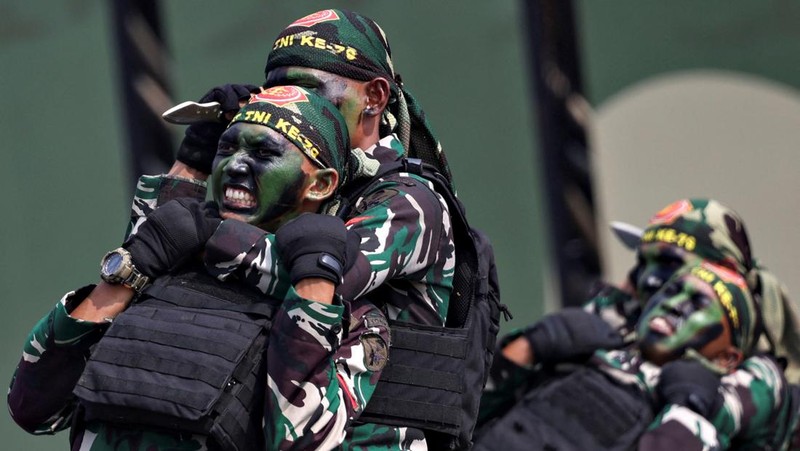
(669, 213)
(315, 18)
(280, 96)
(725, 274)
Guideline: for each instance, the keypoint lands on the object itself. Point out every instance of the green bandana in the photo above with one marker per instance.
(307, 120)
(703, 227)
(353, 46)
(717, 233)
(738, 304)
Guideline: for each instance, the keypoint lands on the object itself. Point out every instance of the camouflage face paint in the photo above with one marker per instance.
(346, 94)
(657, 263)
(259, 176)
(685, 313)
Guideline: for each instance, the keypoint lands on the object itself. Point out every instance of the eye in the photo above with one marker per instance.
(672, 289)
(265, 153)
(226, 148)
(669, 261)
(700, 300)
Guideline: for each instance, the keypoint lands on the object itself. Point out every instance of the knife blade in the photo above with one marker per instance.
(190, 112)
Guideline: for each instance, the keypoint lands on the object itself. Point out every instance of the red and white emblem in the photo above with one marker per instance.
(671, 212)
(725, 274)
(280, 96)
(315, 18)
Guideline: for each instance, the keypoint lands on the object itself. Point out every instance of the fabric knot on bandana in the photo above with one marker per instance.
(308, 121)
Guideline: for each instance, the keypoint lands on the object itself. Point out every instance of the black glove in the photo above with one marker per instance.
(689, 383)
(570, 334)
(313, 245)
(171, 233)
(199, 146)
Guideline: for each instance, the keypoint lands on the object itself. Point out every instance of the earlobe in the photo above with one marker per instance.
(378, 92)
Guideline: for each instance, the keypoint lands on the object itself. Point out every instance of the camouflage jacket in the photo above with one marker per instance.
(313, 393)
(755, 414)
(405, 264)
(406, 259)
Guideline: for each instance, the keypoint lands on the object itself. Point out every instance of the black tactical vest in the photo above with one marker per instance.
(189, 356)
(435, 375)
(582, 410)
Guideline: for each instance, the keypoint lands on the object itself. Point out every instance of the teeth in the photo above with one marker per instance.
(240, 197)
(661, 325)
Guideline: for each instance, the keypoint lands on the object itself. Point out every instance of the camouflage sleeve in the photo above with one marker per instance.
(755, 413)
(678, 427)
(53, 357)
(155, 190)
(616, 307)
(323, 363)
(402, 224)
(400, 227)
(505, 386)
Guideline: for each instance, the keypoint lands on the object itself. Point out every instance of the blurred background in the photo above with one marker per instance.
(557, 117)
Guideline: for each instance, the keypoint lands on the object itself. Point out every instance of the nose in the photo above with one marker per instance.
(237, 166)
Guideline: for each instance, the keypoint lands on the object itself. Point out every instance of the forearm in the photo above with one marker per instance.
(40, 395)
(104, 303)
(320, 376)
(507, 383)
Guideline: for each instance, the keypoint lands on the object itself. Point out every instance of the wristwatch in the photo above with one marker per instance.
(117, 268)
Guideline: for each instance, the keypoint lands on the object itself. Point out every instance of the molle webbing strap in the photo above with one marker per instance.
(423, 382)
(188, 356)
(435, 374)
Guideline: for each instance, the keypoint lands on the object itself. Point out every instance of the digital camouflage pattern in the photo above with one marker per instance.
(350, 45)
(320, 375)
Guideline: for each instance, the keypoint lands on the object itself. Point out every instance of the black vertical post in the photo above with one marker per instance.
(566, 177)
(142, 63)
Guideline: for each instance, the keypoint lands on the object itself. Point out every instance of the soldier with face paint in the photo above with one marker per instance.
(690, 381)
(282, 156)
(684, 233)
(405, 256)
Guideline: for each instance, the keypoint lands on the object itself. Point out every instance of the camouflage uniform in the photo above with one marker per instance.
(405, 264)
(312, 392)
(755, 414)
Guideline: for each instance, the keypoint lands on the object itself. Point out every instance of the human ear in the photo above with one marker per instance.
(729, 358)
(377, 91)
(323, 184)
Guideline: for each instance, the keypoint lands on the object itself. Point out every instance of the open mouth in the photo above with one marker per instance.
(238, 198)
(661, 325)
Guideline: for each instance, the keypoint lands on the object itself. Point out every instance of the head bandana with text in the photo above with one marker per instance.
(350, 45)
(717, 233)
(307, 120)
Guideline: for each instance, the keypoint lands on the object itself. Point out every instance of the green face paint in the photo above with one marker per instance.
(258, 176)
(657, 263)
(685, 313)
(341, 91)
